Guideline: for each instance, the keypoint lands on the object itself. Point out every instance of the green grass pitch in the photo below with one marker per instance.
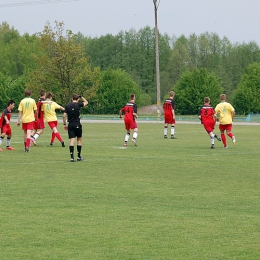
(165, 199)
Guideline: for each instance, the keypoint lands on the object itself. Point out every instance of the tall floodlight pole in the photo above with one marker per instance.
(157, 59)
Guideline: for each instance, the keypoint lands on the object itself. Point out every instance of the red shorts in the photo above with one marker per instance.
(225, 127)
(6, 130)
(53, 124)
(169, 120)
(130, 125)
(39, 124)
(209, 127)
(28, 126)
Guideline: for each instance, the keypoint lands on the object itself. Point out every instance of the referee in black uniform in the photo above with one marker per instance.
(74, 128)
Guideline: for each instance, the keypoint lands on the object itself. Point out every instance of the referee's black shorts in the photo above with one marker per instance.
(74, 130)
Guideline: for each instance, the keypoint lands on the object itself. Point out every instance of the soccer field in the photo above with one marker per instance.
(165, 199)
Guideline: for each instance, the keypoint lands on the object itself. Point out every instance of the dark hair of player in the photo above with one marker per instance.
(75, 97)
(132, 96)
(42, 92)
(49, 95)
(10, 102)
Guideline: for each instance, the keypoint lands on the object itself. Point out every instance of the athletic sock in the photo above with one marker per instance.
(36, 136)
(212, 139)
(224, 140)
(8, 142)
(52, 137)
(58, 136)
(172, 130)
(28, 141)
(230, 134)
(165, 130)
(127, 137)
(79, 150)
(71, 152)
(1, 140)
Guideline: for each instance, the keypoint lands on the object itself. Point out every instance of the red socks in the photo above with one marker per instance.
(57, 135)
(224, 140)
(230, 135)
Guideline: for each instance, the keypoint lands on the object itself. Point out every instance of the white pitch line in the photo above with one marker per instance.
(119, 147)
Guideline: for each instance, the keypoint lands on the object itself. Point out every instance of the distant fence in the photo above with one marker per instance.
(252, 118)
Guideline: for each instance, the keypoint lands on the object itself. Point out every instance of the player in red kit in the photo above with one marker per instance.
(5, 125)
(39, 123)
(169, 115)
(208, 118)
(130, 111)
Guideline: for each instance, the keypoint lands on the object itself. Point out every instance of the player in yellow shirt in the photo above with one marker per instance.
(50, 117)
(27, 111)
(226, 113)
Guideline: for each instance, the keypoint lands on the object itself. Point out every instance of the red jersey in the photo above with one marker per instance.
(129, 109)
(6, 113)
(206, 113)
(39, 108)
(168, 106)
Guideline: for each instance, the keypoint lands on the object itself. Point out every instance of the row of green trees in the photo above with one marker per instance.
(107, 69)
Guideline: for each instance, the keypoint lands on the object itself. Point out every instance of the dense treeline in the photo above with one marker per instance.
(205, 64)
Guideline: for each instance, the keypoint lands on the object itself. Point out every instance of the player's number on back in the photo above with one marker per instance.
(48, 106)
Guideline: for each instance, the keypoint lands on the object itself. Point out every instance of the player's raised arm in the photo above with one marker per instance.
(85, 102)
(46, 101)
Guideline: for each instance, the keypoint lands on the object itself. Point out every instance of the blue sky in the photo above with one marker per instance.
(238, 20)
